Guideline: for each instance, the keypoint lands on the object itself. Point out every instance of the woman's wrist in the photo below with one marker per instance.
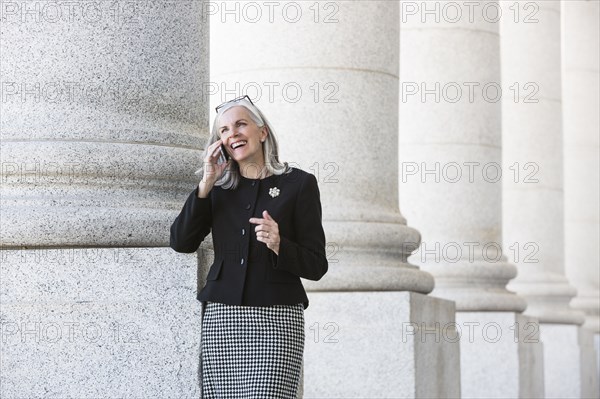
(203, 189)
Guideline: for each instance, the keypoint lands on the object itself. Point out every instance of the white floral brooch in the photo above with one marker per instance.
(273, 192)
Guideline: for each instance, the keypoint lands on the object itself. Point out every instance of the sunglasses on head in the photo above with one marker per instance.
(235, 100)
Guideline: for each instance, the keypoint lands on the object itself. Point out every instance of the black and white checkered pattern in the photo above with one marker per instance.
(251, 351)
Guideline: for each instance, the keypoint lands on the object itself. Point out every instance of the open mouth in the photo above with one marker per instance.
(238, 144)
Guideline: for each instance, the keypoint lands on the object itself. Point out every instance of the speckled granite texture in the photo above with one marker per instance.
(110, 323)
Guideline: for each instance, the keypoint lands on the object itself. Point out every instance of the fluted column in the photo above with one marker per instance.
(534, 195)
(451, 186)
(101, 125)
(326, 75)
(581, 77)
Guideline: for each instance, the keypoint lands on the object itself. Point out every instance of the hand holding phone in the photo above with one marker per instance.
(223, 156)
(215, 163)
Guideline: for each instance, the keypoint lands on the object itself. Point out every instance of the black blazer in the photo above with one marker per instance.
(245, 271)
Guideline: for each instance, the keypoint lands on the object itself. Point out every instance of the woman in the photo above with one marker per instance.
(265, 218)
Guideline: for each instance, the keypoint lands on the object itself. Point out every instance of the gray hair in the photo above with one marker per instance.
(231, 175)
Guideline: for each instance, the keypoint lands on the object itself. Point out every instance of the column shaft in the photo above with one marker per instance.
(99, 127)
(534, 201)
(451, 187)
(581, 78)
(450, 153)
(326, 76)
(533, 198)
(101, 124)
(335, 113)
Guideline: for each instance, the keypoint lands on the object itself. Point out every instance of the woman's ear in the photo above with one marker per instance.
(264, 134)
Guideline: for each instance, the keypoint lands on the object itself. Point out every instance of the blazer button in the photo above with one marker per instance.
(242, 261)
(243, 231)
(253, 182)
(248, 206)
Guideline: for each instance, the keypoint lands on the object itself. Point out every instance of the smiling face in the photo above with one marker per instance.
(242, 137)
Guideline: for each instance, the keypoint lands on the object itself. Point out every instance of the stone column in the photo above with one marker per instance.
(581, 77)
(533, 187)
(102, 124)
(450, 186)
(326, 76)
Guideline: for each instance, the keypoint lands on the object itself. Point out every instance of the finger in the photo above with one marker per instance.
(211, 156)
(257, 220)
(267, 216)
(214, 146)
(268, 222)
(216, 156)
(216, 143)
(215, 151)
(223, 166)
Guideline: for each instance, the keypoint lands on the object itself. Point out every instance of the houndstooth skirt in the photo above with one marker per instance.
(251, 351)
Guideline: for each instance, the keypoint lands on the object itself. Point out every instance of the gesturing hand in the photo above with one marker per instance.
(267, 231)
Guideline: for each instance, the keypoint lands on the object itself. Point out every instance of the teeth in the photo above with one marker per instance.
(237, 144)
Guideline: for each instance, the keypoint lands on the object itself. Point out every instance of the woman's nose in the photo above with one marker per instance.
(229, 133)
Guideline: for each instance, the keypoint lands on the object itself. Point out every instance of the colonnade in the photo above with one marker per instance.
(456, 150)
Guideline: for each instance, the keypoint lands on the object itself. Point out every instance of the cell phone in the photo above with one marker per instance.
(224, 156)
